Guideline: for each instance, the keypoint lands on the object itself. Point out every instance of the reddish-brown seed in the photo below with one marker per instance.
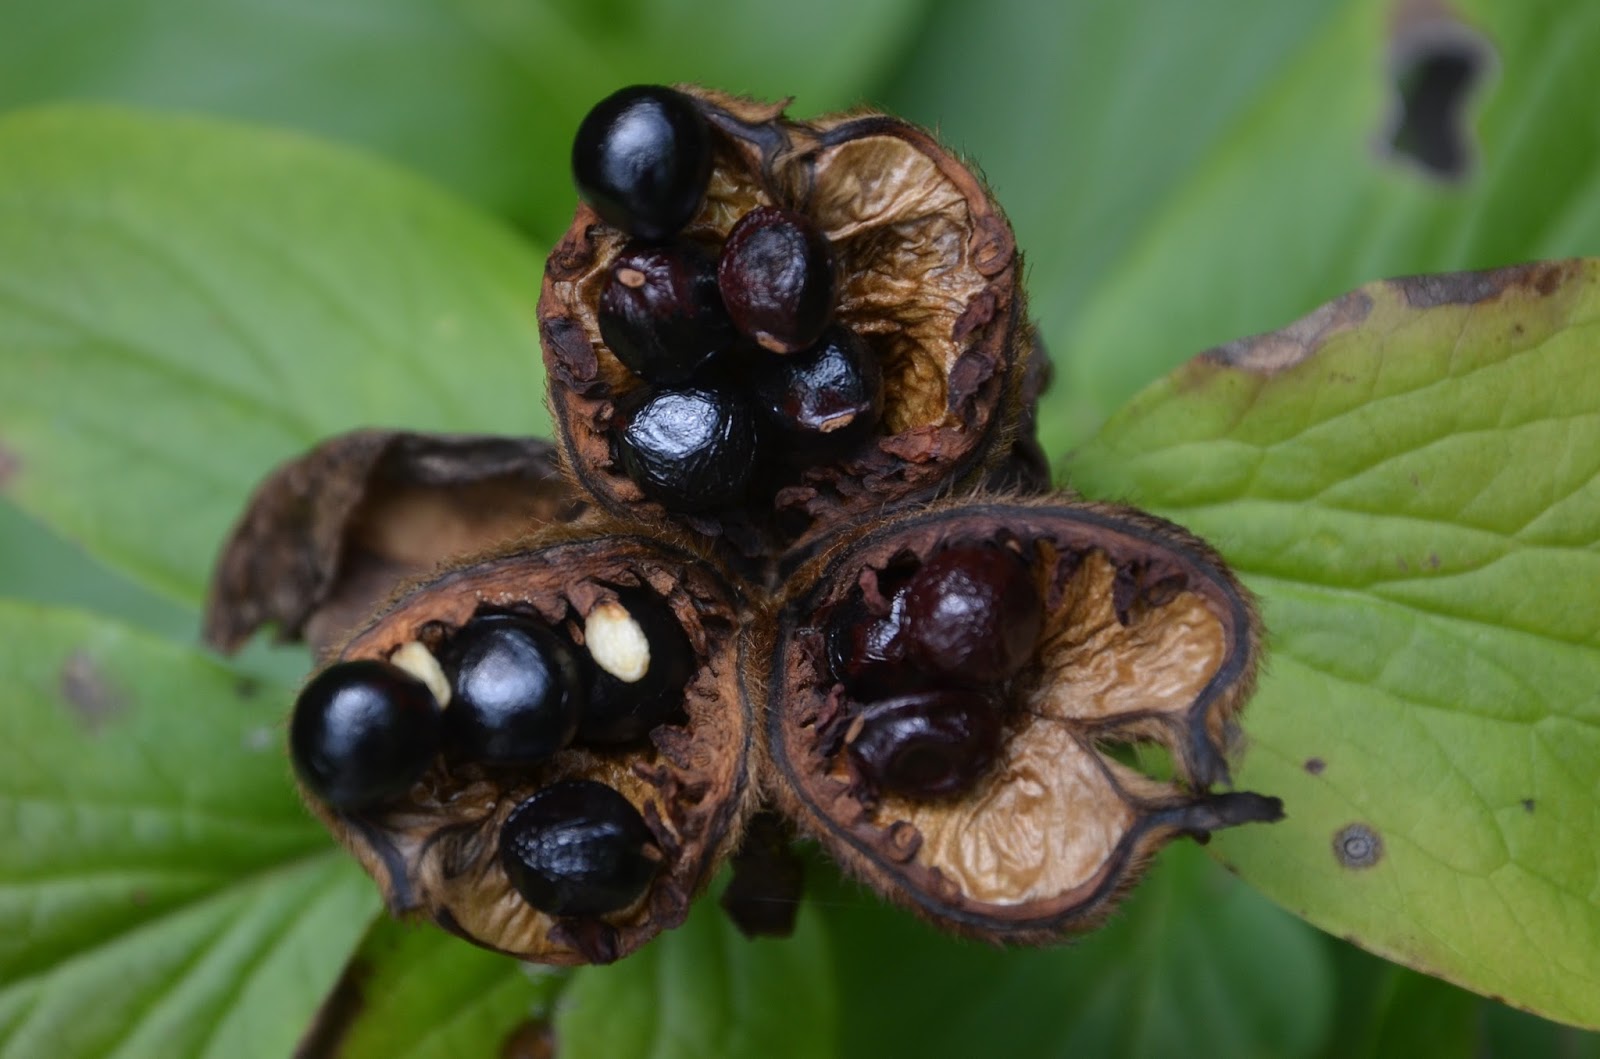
(973, 613)
(777, 276)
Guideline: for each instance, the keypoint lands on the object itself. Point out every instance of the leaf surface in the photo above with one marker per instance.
(152, 905)
(1410, 478)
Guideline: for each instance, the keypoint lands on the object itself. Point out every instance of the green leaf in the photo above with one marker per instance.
(1410, 478)
(704, 990)
(418, 993)
(1295, 203)
(185, 303)
(1195, 963)
(162, 893)
(482, 95)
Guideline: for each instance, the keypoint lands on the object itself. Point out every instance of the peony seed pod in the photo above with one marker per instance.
(928, 275)
(1143, 635)
(437, 851)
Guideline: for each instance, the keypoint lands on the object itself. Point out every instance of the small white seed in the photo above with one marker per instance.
(420, 663)
(617, 643)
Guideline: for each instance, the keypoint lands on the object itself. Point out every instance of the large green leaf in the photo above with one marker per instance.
(1286, 212)
(481, 94)
(419, 993)
(1410, 478)
(162, 893)
(1195, 963)
(704, 990)
(183, 303)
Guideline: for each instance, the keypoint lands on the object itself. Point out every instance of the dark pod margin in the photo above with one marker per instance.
(1147, 637)
(435, 852)
(928, 274)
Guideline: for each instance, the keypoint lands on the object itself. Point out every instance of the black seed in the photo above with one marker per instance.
(866, 652)
(517, 691)
(660, 312)
(642, 160)
(973, 613)
(621, 711)
(824, 401)
(691, 448)
(578, 848)
(362, 733)
(928, 744)
(777, 275)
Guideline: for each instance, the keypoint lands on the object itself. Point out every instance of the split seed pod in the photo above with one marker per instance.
(928, 275)
(436, 852)
(1146, 636)
(327, 535)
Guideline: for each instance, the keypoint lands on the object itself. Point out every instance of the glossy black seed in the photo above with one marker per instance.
(928, 744)
(777, 274)
(578, 848)
(642, 160)
(660, 311)
(621, 711)
(692, 448)
(824, 401)
(362, 733)
(516, 691)
(867, 652)
(973, 613)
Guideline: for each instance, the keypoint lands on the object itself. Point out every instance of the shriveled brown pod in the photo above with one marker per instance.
(1146, 636)
(928, 273)
(435, 853)
(329, 534)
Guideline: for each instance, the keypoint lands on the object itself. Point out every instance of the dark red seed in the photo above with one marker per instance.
(824, 401)
(867, 652)
(777, 275)
(928, 744)
(660, 311)
(973, 613)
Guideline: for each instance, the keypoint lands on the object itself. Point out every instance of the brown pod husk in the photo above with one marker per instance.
(435, 854)
(1146, 637)
(928, 273)
(329, 534)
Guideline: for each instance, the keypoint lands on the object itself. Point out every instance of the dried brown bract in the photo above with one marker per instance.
(1145, 636)
(329, 534)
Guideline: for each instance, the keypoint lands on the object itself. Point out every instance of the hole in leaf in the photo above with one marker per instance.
(1436, 67)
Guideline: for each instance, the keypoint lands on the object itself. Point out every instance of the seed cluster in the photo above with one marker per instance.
(509, 691)
(799, 570)
(746, 374)
(925, 660)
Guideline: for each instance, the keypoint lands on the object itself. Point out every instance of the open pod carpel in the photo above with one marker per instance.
(328, 534)
(927, 274)
(437, 851)
(1143, 635)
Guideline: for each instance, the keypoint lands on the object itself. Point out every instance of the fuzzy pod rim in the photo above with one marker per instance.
(434, 855)
(977, 357)
(880, 841)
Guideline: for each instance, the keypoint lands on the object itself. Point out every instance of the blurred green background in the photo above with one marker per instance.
(1178, 174)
